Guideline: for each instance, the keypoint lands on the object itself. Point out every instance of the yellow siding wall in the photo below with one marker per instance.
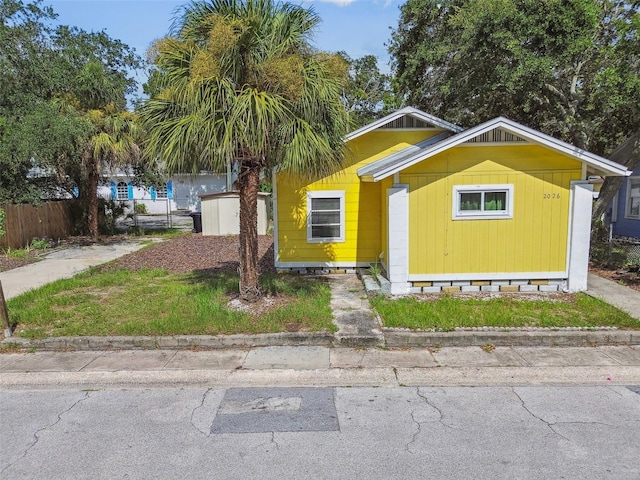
(534, 240)
(364, 203)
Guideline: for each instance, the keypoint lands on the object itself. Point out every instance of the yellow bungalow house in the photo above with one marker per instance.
(497, 207)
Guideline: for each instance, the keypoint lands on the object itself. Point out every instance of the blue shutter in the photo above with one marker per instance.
(130, 191)
(114, 191)
(152, 191)
(169, 189)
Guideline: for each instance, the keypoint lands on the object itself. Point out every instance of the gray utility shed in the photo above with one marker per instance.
(221, 213)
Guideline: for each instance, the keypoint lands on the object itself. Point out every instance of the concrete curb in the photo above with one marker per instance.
(208, 342)
(392, 339)
(511, 339)
(334, 377)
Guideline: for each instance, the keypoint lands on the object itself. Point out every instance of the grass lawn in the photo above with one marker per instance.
(156, 302)
(448, 312)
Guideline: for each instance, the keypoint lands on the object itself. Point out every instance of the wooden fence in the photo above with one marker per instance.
(23, 223)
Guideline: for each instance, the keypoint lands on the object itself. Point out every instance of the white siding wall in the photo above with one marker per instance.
(186, 191)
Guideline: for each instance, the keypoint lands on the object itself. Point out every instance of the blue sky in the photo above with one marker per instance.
(359, 27)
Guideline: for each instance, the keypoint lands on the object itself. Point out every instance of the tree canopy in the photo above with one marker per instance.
(568, 68)
(53, 78)
(368, 94)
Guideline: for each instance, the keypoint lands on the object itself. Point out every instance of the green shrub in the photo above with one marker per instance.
(43, 243)
(2, 232)
(110, 211)
(141, 208)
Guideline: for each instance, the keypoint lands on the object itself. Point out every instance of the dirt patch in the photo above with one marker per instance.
(625, 277)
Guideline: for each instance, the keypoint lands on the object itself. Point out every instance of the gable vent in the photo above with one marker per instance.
(407, 122)
(497, 135)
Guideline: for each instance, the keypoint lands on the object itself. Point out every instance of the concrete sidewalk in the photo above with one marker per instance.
(625, 298)
(63, 263)
(318, 366)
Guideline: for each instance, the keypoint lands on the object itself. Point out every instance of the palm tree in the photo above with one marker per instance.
(238, 80)
(114, 143)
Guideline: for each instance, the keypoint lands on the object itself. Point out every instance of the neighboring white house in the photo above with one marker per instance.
(181, 192)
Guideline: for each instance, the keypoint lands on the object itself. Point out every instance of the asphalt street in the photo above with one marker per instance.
(524, 432)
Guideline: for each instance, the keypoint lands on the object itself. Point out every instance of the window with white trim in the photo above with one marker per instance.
(325, 216)
(122, 189)
(633, 198)
(473, 202)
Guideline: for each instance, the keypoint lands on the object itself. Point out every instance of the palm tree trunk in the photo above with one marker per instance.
(249, 184)
(92, 197)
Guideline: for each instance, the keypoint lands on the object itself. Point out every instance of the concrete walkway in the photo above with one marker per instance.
(63, 263)
(319, 366)
(358, 325)
(624, 298)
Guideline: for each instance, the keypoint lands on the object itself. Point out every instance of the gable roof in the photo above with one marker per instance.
(407, 111)
(407, 157)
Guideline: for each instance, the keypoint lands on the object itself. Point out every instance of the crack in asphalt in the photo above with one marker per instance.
(273, 440)
(36, 437)
(610, 387)
(193, 412)
(419, 424)
(437, 409)
(415, 435)
(548, 424)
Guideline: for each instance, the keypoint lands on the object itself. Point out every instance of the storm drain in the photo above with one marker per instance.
(259, 410)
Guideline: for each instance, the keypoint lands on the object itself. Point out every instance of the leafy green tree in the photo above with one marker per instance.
(568, 68)
(39, 153)
(240, 81)
(368, 93)
(25, 63)
(52, 76)
(62, 107)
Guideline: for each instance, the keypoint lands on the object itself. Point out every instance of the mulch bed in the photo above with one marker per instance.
(195, 253)
(183, 254)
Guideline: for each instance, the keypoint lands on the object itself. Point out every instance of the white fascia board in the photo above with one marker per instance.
(606, 165)
(414, 112)
(601, 163)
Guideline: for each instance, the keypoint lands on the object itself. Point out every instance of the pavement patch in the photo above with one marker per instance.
(635, 389)
(260, 410)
